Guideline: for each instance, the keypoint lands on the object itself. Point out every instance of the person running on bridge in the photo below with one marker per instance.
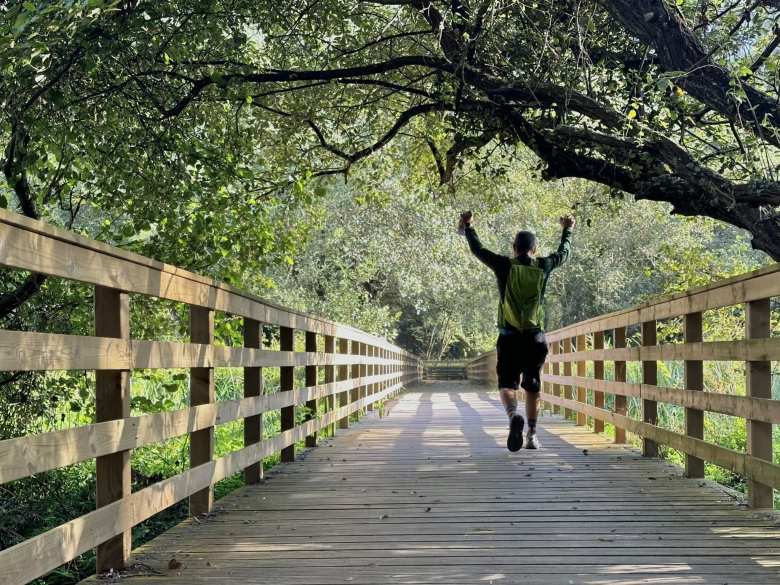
(521, 347)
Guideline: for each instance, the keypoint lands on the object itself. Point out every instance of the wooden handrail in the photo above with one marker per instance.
(752, 290)
(34, 245)
(379, 369)
(758, 284)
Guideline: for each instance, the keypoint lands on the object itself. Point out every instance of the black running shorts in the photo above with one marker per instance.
(521, 355)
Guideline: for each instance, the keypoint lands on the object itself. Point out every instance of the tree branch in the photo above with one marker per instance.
(276, 76)
(402, 121)
(658, 25)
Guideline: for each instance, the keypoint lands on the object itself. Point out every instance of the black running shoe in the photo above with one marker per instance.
(514, 442)
(531, 442)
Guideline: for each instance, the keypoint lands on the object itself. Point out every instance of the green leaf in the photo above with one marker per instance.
(21, 21)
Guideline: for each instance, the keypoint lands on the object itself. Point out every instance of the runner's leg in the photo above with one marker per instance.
(509, 400)
(508, 371)
(536, 353)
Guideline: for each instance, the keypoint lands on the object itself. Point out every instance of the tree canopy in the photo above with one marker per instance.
(152, 110)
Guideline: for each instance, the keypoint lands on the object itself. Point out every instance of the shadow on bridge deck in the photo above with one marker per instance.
(430, 495)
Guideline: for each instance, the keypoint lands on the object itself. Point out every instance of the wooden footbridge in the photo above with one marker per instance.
(403, 480)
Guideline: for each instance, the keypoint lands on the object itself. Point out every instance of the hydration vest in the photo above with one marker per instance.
(522, 307)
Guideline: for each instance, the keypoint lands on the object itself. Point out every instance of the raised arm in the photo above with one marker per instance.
(490, 259)
(560, 256)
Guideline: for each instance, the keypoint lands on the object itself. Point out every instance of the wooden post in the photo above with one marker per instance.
(759, 385)
(598, 374)
(287, 383)
(363, 373)
(567, 388)
(376, 370)
(582, 419)
(112, 401)
(330, 376)
(253, 386)
(201, 392)
(382, 369)
(344, 373)
(371, 352)
(649, 376)
(354, 394)
(694, 380)
(621, 402)
(311, 381)
(556, 368)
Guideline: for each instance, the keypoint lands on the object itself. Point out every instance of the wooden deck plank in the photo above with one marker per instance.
(430, 495)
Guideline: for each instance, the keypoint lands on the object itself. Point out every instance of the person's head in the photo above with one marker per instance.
(525, 244)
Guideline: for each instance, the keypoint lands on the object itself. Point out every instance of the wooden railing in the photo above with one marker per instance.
(359, 370)
(605, 338)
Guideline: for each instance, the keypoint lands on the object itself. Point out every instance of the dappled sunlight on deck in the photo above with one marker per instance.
(429, 494)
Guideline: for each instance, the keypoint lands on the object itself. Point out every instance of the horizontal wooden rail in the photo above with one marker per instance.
(763, 409)
(25, 456)
(758, 284)
(379, 371)
(741, 350)
(23, 351)
(741, 463)
(33, 245)
(594, 338)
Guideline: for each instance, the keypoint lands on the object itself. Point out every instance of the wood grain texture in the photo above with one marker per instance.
(343, 376)
(741, 350)
(202, 391)
(112, 402)
(32, 454)
(329, 376)
(581, 346)
(649, 377)
(621, 402)
(429, 495)
(568, 389)
(759, 385)
(693, 381)
(286, 384)
(253, 387)
(763, 409)
(755, 285)
(49, 351)
(598, 374)
(311, 380)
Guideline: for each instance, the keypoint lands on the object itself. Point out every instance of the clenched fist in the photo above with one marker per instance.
(465, 221)
(568, 221)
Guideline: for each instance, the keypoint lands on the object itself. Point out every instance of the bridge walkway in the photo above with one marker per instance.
(429, 494)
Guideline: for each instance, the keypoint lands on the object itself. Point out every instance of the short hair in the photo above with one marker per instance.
(525, 242)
